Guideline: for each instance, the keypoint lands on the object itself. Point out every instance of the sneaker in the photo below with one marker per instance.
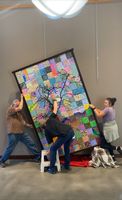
(51, 171)
(2, 165)
(66, 167)
(119, 149)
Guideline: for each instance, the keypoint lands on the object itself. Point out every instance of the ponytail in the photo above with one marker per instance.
(111, 100)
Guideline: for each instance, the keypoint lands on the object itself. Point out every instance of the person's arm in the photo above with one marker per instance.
(20, 106)
(55, 107)
(26, 123)
(29, 125)
(55, 103)
(97, 111)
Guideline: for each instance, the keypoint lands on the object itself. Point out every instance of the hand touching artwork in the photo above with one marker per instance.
(53, 96)
(92, 106)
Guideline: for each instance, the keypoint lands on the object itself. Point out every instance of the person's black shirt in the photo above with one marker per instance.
(55, 128)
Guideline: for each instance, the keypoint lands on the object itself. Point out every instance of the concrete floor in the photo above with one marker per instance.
(23, 180)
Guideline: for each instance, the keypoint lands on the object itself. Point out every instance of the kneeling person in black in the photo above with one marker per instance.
(64, 133)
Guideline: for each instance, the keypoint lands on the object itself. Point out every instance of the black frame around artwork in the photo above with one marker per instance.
(67, 51)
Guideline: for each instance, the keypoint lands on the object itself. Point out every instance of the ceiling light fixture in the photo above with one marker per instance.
(56, 9)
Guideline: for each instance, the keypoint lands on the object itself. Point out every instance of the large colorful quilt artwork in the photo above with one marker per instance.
(59, 75)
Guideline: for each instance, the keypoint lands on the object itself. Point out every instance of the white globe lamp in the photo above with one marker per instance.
(56, 9)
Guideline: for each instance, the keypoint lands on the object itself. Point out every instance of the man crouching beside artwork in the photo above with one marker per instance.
(64, 133)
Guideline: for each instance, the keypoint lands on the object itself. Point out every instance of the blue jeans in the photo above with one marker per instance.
(13, 139)
(66, 140)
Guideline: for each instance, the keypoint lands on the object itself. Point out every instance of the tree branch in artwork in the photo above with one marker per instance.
(43, 94)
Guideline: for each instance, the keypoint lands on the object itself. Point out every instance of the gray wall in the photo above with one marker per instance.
(26, 36)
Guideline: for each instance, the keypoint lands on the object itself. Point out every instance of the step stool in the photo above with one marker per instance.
(47, 163)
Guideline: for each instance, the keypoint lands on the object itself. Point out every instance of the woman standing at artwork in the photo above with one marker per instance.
(110, 128)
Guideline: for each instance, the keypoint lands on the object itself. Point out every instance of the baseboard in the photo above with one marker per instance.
(21, 157)
(27, 157)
